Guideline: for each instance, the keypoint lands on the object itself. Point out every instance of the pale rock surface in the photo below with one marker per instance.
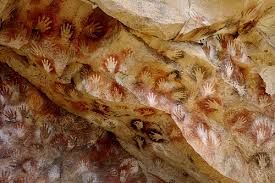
(268, 75)
(167, 19)
(156, 17)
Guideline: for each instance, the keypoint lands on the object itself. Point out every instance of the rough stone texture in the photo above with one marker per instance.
(268, 75)
(41, 142)
(190, 19)
(208, 91)
(65, 82)
(155, 17)
(166, 18)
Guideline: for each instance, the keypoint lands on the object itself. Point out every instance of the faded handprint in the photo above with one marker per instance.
(174, 54)
(202, 133)
(208, 89)
(47, 65)
(66, 31)
(152, 99)
(43, 24)
(229, 70)
(111, 64)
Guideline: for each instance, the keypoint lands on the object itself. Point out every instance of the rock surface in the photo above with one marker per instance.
(155, 17)
(41, 142)
(268, 75)
(209, 91)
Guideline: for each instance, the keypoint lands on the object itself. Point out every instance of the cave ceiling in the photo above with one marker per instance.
(148, 91)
